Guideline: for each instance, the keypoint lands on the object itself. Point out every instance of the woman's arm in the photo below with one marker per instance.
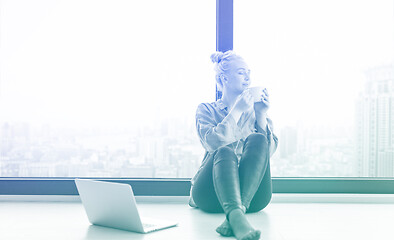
(261, 120)
(214, 135)
(273, 141)
(236, 114)
(269, 132)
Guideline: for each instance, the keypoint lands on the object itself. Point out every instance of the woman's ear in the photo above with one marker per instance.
(223, 79)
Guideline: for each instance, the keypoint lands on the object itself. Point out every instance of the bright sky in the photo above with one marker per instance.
(312, 54)
(105, 62)
(123, 62)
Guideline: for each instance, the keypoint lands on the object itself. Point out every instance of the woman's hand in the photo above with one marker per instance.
(244, 101)
(261, 108)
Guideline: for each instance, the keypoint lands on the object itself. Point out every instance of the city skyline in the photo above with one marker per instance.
(169, 147)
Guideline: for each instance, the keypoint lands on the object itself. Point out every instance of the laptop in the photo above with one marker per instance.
(113, 205)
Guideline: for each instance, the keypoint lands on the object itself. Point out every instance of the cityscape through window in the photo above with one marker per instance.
(110, 89)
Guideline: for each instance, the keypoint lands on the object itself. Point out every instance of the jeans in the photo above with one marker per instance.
(224, 185)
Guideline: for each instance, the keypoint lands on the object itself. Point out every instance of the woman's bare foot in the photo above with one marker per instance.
(241, 226)
(225, 229)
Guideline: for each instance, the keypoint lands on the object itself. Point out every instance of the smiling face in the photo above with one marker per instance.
(237, 77)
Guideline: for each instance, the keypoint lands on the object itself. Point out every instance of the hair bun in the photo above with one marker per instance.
(217, 57)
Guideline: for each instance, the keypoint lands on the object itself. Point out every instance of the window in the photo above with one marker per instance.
(322, 60)
(71, 74)
(102, 88)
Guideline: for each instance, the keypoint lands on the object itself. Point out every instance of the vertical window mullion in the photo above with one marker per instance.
(224, 29)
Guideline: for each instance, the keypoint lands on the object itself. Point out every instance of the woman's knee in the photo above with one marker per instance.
(224, 150)
(257, 141)
(257, 137)
(225, 153)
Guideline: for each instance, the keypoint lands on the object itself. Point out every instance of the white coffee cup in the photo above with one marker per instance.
(257, 93)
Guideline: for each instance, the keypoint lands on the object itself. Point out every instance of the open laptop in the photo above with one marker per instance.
(113, 205)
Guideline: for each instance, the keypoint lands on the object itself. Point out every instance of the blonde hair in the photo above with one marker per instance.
(222, 61)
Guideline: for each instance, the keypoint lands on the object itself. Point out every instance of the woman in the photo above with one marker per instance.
(236, 133)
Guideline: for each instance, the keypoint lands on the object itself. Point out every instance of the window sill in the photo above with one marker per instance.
(276, 198)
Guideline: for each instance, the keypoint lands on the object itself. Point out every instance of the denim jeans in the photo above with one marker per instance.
(224, 184)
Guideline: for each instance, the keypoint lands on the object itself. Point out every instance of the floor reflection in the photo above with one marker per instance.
(97, 232)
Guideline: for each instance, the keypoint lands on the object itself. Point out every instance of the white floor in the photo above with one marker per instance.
(289, 221)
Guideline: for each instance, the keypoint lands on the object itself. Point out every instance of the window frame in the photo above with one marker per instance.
(181, 186)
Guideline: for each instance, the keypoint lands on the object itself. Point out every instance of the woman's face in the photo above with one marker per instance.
(237, 76)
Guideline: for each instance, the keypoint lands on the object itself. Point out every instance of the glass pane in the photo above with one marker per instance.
(103, 88)
(328, 66)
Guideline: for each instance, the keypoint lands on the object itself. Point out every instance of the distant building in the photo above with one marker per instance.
(375, 124)
(288, 142)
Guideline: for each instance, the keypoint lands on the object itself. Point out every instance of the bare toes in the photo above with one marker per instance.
(226, 232)
(225, 229)
(253, 235)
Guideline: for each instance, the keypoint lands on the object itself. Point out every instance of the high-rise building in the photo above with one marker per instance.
(375, 124)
